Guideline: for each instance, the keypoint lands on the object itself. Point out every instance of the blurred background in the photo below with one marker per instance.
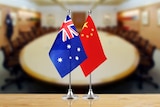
(136, 21)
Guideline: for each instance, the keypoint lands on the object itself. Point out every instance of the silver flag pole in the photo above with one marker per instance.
(90, 94)
(70, 94)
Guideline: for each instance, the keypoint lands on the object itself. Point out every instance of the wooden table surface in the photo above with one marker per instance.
(55, 100)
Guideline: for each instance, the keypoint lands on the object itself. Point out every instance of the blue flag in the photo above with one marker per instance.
(67, 51)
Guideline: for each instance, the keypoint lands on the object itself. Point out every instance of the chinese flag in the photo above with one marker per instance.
(92, 46)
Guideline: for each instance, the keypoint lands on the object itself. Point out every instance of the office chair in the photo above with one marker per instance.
(145, 65)
(131, 35)
(11, 63)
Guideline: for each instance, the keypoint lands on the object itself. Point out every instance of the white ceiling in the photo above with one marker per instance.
(75, 2)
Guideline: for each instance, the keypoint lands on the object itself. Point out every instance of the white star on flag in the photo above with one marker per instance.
(60, 60)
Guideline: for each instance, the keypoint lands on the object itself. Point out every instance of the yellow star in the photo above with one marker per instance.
(91, 34)
(92, 29)
(87, 36)
(85, 25)
(82, 35)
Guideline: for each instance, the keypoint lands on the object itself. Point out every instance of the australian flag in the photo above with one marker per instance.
(67, 51)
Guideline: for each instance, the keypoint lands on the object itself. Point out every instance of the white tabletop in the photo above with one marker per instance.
(123, 59)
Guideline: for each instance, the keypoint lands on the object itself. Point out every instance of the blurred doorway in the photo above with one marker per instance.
(78, 19)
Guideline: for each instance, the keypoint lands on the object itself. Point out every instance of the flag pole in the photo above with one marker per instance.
(70, 94)
(90, 94)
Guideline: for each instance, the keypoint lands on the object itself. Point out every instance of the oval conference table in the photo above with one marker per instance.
(122, 60)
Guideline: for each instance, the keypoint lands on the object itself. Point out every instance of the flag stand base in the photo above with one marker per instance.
(70, 95)
(90, 95)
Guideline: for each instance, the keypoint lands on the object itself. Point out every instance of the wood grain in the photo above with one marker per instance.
(104, 100)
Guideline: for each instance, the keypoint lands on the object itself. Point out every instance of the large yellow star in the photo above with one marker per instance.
(85, 25)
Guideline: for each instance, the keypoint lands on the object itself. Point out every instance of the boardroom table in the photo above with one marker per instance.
(122, 60)
(55, 100)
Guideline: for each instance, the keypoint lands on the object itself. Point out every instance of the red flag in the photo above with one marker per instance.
(92, 46)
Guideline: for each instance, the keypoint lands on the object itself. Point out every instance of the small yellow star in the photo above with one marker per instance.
(82, 35)
(85, 25)
(92, 29)
(87, 36)
(91, 34)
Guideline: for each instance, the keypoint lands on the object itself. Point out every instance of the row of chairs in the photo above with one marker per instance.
(11, 54)
(11, 63)
(146, 51)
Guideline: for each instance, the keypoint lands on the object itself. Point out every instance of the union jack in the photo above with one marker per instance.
(67, 29)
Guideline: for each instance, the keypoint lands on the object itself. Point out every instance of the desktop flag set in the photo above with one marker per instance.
(71, 49)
